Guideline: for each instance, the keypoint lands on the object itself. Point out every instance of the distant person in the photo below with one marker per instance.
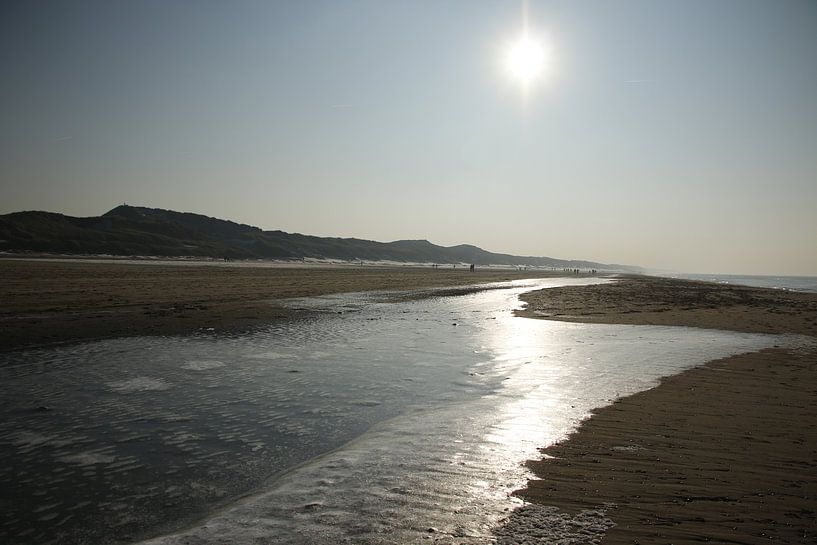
(472, 267)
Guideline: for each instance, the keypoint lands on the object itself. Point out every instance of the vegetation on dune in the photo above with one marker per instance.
(131, 231)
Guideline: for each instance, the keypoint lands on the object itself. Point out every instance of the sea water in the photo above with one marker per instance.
(372, 421)
(791, 283)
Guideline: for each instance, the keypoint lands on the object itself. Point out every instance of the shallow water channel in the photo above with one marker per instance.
(368, 422)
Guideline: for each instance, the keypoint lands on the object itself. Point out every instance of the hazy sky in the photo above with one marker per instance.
(671, 134)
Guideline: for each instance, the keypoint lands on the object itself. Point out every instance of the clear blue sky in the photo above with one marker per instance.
(671, 134)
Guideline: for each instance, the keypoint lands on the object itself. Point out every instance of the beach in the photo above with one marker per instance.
(724, 453)
(649, 300)
(53, 301)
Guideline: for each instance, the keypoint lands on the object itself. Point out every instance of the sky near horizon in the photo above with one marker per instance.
(675, 135)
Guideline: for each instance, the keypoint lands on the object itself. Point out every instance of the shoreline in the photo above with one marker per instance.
(721, 452)
(652, 300)
(697, 457)
(57, 301)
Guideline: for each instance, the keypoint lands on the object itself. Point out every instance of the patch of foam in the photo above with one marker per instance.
(27, 440)
(30, 438)
(270, 356)
(87, 459)
(367, 403)
(627, 448)
(139, 384)
(181, 437)
(202, 365)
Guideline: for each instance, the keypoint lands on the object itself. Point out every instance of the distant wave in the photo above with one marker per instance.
(792, 283)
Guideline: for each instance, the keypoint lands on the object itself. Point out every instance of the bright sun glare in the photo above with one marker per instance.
(526, 59)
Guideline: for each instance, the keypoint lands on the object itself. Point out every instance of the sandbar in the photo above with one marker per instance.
(56, 301)
(723, 453)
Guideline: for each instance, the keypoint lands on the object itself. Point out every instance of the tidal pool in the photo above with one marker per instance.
(369, 422)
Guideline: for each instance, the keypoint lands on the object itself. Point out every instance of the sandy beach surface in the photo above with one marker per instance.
(48, 302)
(649, 300)
(725, 453)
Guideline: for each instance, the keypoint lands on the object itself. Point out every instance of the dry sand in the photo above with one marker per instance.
(61, 301)
(725, 453)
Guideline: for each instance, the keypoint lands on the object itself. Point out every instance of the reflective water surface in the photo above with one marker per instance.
(374, 422)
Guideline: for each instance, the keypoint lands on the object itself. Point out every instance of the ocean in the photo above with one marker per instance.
(791, 283)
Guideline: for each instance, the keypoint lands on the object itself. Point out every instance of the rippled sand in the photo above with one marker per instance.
(723, 453)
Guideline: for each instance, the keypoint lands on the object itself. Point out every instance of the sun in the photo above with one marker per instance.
(527, 59)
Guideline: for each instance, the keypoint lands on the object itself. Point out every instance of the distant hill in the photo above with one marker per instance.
(138, 231)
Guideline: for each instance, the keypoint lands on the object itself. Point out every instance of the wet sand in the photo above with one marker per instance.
(725, 453)
(47, 302)
(649, 300)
